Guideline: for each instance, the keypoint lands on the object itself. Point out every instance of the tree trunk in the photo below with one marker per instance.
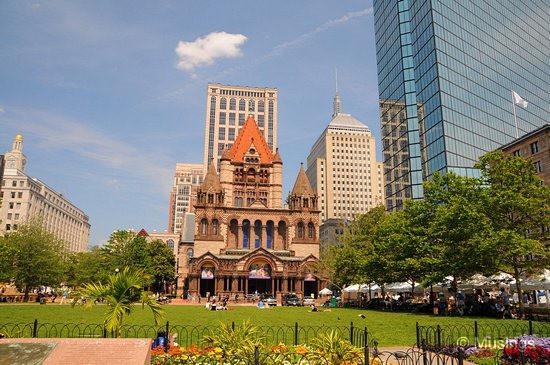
(26, 297)
(518, 288)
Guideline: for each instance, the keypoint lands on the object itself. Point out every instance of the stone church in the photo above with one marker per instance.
(245, 240)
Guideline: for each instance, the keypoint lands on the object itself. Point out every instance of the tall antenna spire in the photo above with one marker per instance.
(336, 104)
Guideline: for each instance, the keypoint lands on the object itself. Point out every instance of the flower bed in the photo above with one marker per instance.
(532, 349)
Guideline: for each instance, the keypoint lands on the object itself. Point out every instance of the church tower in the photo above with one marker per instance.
(15, 159)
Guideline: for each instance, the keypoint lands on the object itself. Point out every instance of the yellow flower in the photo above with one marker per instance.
(300, 350)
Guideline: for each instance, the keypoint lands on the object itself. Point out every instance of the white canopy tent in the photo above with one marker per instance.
(404, 287)
(325, 291)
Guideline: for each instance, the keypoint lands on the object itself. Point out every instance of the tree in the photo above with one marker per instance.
(354, 259)
(161, 264)
(85, 267)
(37, 257)
(403, 246)
(459, 227)
(120, 293)
(517, 205)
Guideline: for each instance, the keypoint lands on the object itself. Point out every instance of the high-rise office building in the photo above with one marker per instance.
(187, 179)
(228, 107)
(342, 167)
(24, 197)
(446, 71)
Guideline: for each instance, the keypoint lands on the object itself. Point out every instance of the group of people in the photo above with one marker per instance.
(216, 303)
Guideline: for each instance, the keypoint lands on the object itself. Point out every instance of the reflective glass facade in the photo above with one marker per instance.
(445, 71)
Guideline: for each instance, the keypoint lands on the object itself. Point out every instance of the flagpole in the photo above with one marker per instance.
(514, 109)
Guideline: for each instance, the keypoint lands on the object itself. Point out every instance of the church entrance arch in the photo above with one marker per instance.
(259, 277)
(207, 282)
(311, 285)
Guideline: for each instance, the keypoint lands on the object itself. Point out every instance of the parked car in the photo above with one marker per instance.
(269, 299)
(291, 299)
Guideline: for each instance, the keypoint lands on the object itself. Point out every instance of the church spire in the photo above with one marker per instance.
(336, 104)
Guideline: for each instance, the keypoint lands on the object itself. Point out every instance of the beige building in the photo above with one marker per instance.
(534, 145)
(245, 241)
(227, 108)
(24, 197)
(187, 179)
(342, 168)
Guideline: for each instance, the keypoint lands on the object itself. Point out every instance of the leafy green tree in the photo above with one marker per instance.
(162, 263)
(85, 267)
(33, 257)
(517, 205)
(459, 227)
(354, 261)
(404, 247)
(121, 292)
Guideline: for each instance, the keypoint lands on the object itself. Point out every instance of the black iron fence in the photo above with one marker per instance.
(184, 335)
(484, 335)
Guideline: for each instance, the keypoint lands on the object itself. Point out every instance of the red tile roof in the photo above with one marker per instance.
(250, 133)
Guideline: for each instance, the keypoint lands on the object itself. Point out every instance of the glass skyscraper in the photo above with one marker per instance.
(446, 71)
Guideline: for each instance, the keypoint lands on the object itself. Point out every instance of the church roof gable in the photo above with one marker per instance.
(249, 135)
(302, 186)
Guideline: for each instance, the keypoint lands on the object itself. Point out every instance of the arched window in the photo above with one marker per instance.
(215, 227)
(242, 105)
(261, 107)
(269, 234)
(170, 243)
(223, 103)
(204, 227)
(190, 253)
(251, 105)
(310, 230)
(300, 230)
(232, 104)
(257, 234)
(246, 232)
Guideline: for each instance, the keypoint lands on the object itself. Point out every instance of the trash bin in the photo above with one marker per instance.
(333, 302)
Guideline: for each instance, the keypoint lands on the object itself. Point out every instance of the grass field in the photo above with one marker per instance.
(391, 329)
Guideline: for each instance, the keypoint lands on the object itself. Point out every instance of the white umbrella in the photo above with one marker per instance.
(530, 284)
(325, 291)
(476, 281)
(352, 288)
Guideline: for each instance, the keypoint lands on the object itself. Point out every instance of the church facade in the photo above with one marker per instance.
(245, 240)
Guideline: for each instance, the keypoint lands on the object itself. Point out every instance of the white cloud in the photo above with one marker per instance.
(204, 50)
(2, 110)
(57, 132)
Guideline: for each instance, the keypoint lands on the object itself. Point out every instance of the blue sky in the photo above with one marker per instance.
(109, 95)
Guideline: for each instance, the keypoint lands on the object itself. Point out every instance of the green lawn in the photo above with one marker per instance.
(391, 329)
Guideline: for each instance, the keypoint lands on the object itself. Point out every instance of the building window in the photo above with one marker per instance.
(535, 147)
(516, 153)
(223, 103)
(215, 227)
(538, 166)
(232, 104)
(310, 230)
(204, 226)
(223, 117)
(300, 230)
(231, 118)
(251, 105)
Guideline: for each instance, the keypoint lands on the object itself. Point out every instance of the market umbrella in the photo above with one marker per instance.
(325, 291)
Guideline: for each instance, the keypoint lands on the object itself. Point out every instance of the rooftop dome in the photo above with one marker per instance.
(346, 121)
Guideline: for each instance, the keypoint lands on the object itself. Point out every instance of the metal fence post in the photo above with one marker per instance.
(438, 336)
(460, 356)
(167, 338)
(296, 334)
(104, 331)
(233, 326)
(424, 355)
(256, 355)
(35, 329)
(366, 345)
(417, 335)
(351, 333)
(476, 334)
(530, 327)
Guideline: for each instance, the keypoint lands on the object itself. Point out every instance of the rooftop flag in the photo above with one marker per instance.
(518, 100)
